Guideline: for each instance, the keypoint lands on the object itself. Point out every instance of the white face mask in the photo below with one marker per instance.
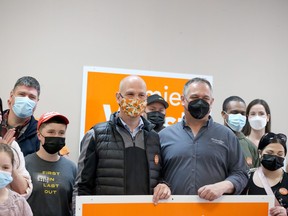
(257, 122)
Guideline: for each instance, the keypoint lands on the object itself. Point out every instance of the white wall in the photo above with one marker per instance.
(243, 44)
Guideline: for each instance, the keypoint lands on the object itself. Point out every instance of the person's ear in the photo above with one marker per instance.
(223, 114)
(211, 102)
(9, 101)
(183, 100)
(118, 97)
(39, 135)
(260, 154)
(268, 118)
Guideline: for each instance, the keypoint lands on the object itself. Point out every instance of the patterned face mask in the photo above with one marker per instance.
(133, 107)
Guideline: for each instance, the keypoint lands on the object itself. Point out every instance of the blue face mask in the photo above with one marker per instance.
(23, 107)
(236, 121)
(5, 178)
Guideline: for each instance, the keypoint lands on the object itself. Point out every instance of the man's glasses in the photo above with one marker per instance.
(273, 138)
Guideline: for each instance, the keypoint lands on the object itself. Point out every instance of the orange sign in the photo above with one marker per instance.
(101, 84)
(175, 206)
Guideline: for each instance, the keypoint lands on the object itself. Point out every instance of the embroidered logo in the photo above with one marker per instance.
(221, 142)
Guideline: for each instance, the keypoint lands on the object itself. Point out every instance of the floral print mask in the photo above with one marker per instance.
(133, 107)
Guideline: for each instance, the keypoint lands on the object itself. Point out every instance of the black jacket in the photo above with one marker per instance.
(28, 141)
(103, 169)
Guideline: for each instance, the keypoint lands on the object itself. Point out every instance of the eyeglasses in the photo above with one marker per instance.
(273, 138)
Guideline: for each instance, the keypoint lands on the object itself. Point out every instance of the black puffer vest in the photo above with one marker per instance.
(110, 153)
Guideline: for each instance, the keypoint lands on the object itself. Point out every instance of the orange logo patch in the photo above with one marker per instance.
(283, 191)
(156, 159)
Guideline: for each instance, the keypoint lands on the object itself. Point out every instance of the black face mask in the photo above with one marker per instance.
(198, 108)
(272, 162)
(53, 145)
(156, 118)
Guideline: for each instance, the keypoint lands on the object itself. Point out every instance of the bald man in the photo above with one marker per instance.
(122, 156)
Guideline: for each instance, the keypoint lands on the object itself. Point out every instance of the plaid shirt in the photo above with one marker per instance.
(5, 127)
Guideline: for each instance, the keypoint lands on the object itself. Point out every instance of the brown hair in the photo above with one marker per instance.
(6, 148)
(247, 128)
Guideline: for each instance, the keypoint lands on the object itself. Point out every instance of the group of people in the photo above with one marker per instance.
(135, 154)
(34, 178)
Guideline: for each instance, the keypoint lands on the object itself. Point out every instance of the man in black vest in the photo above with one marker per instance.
(122, 156)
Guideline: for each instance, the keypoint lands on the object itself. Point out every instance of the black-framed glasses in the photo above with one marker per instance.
(273, 138)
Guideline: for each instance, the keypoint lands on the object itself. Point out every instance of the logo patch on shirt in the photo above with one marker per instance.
(221, 142)
(249, 161)
(156, 159)
(283, 191)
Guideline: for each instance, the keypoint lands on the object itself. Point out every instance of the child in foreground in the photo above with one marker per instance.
(11, 203)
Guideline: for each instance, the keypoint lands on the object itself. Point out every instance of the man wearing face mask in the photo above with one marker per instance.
(52, 175)
(122, 156)
(200, 156)
(156, 110)
(234, 115)
(22, 104)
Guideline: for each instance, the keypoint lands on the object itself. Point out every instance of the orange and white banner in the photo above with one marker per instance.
(228, 205)
(101, 84)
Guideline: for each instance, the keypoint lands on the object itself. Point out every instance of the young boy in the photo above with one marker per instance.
(52, 175)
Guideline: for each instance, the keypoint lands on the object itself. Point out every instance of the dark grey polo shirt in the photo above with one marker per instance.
(212, 156)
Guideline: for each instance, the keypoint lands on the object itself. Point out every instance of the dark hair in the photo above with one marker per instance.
(270, 137)
(6, 148)
(29, 82)
(229, 99)
(195, 80)
(247, 128)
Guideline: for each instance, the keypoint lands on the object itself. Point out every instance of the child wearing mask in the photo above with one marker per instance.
(11, 203)
(52, 175)
(21, 178)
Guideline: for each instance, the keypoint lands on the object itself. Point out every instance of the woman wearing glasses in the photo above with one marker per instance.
(270, 178)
